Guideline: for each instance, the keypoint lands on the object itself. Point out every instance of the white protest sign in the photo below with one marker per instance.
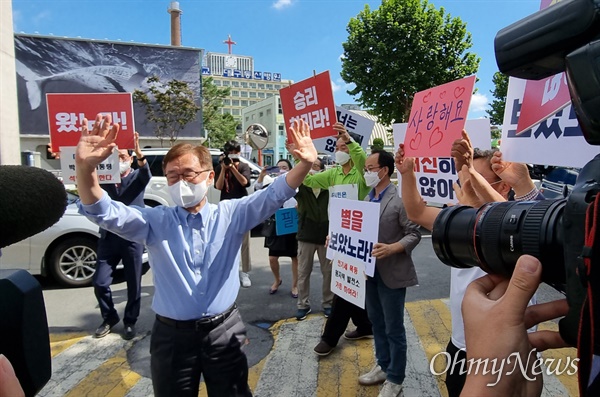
(557, 140)
(353, 229)
(108, 170)
(348, 280)
(435, 175)
(360, 129)
(349, 191)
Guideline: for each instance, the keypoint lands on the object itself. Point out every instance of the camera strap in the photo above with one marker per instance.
(589, 273)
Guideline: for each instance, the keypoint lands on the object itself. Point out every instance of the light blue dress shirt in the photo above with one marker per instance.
(194, 257)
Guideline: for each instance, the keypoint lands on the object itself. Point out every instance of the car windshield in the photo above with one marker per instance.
(72, 197)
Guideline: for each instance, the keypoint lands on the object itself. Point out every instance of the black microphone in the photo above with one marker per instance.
(31, 200)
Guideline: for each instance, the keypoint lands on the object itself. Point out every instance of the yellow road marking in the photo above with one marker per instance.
(113, 378)
(61, 342)
(433, 324)
(562, 357)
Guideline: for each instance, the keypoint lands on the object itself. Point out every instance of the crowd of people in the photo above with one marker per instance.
(196, 248)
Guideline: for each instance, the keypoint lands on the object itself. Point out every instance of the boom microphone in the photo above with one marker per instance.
(31, 200)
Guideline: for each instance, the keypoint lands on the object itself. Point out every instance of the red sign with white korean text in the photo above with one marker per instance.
(312, 101)
(437, 118)
(67, 111)
(543, 98)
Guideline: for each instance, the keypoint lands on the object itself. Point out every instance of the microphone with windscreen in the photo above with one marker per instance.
(31, 200)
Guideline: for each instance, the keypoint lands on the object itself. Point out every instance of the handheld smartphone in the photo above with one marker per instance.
(273, 169)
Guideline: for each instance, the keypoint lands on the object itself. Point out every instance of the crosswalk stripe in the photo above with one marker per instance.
(84, 366)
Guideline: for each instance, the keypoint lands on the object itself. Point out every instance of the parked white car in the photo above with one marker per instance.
(156, 191)
(66, 250)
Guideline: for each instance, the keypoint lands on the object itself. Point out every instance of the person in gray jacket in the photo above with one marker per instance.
(394, 272)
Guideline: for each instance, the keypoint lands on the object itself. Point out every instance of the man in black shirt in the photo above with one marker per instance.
(232, 177)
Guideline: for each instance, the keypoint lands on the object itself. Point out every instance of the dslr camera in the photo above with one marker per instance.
(564, 37)
(230, 146)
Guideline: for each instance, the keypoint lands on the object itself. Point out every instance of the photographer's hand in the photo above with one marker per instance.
(342, 132)
(9, 383)
(495, 309)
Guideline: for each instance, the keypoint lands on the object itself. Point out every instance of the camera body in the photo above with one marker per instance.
(562, 37)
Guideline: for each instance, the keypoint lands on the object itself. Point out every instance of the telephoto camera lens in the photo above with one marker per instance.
(494, 236)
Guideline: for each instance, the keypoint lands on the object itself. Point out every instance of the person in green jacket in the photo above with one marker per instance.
(346, 180)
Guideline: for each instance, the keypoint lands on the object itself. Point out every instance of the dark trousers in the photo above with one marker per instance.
(341, 313)
(455, 381)
(179, 356)
(111, 250)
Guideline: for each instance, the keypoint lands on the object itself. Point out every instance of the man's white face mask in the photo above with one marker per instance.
(186, 194)
(341, 157)
(124, 166)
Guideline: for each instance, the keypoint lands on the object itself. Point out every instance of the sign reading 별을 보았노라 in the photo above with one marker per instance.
(312, 101)
(66, 113)
(437, 118)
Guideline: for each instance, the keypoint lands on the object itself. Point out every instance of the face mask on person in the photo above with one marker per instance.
(187, 194)
(341, 157)
(124, 166)
(372, 178)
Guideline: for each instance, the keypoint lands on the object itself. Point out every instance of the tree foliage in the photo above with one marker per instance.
(220, 127)
(170, 106)
(403, 47)
(377, 144)
(496, 111)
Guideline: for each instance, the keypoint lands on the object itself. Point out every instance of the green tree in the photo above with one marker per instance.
(403, 47)
(377, 144)
(220, 127)
(496, 111)
(171, 108)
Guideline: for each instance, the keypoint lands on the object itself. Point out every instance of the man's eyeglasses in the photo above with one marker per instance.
(372, 169)
(188, 176)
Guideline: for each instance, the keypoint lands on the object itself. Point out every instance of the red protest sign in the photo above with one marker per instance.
(437, 118)
(67, 111)
(312, 101)
(543, 98)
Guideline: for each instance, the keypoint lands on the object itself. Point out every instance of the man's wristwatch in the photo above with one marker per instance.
(141, 158)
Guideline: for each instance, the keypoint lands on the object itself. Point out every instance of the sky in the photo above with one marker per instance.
(291, 37)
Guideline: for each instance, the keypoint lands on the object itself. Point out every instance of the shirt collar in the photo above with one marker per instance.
(372, 194)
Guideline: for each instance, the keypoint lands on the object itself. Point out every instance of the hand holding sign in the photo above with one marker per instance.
(462, 151)
(437, 117)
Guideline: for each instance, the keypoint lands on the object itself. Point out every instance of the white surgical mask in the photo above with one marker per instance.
(341, 157)
(124, 166)
(186, 194)
(372, 178)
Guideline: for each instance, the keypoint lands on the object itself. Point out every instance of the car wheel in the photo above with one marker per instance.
(73, 261)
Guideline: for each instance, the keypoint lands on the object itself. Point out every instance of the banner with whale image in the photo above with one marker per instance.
(46, 65)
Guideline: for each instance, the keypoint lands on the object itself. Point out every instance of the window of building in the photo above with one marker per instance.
(277, 86)
(235, 83)
(268, 112)
(235, 112)
(235, 93)
(226, 83)
(244, 103)
(235, 102)
(261, 94)
(252, 85)
(261, 86)
(269, 86)
(226, 102)
(281, 129)
(279, 109)
(244, 94)
(226, 111)
(269, 94)
(252, 94)
(260, 114)
(217, 82)
(247, 118)
(244, 84)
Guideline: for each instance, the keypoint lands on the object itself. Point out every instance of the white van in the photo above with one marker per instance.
(156, 192)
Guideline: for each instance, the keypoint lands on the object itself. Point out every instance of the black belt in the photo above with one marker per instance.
(201, 324)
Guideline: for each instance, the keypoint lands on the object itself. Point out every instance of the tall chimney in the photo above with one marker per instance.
(175, 12)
